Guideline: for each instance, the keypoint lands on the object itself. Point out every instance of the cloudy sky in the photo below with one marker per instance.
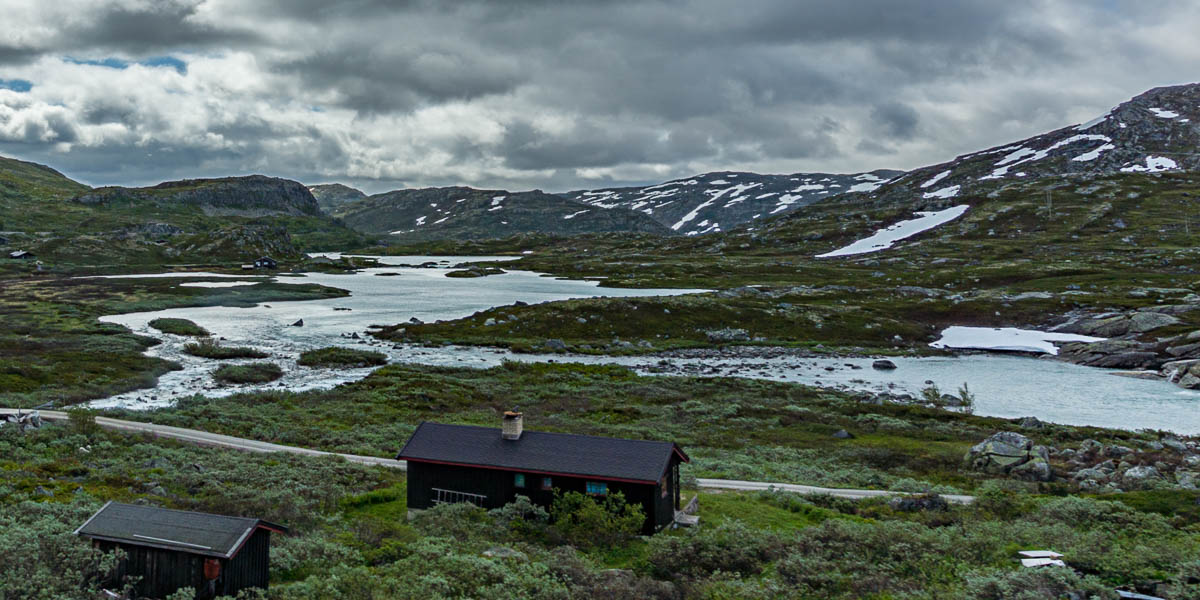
(560, 94)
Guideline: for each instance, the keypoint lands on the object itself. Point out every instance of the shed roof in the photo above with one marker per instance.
(181, 530)
(642, 461)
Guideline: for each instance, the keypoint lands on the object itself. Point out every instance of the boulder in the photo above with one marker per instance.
(1010, 453)
(1031, 423)
(1035, 469)
(727, 334)
(299, 323)
(555, 344)
(884, 364)
(1139, 475)
(842, 434)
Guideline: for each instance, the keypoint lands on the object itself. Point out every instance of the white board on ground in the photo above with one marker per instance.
(1006, 338)
(885, 238)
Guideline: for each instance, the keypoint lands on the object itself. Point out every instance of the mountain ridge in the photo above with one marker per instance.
(721, 200)
(468, 213)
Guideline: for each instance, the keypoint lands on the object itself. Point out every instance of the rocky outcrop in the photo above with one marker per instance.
(244, 242)
(251, 196)
(332, 196)
(1010, 453)
(1119, 325)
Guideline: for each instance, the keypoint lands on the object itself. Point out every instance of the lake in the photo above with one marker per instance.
(1003, 385)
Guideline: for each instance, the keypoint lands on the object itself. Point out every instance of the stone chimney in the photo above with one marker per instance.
(512, 425)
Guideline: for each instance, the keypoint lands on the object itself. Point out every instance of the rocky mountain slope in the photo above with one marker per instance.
(62, 221)
(1155, 132)
(331, 196)
(715, 202)
(466, 213)
(251, 196)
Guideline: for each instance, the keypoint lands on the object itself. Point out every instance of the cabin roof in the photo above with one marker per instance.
(179, 530)
(642, 461)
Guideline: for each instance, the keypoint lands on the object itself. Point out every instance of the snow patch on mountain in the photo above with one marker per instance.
(946, 192)
(1154, 164)
(936, 178)
(1164, 114)
(886, 238)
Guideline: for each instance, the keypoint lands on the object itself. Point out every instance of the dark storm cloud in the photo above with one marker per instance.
(373, 79)
(895, 120)
(148, 28)
(489, 93)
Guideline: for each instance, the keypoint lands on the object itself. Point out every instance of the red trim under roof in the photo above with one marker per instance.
(516, 470)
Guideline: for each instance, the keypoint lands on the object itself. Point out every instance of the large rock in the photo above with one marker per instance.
(1139, 476)
(1184, 373)
(1116, 326)
(1009, 452)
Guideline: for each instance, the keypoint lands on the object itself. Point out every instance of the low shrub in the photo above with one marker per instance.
(587, 522)
(335, 356)
(209, 348)
(729, 547)
(251, 373)
(179, 327)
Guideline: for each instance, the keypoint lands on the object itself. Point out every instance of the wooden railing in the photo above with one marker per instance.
(441, 496)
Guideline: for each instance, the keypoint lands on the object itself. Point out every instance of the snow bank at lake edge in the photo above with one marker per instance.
(1006, 338)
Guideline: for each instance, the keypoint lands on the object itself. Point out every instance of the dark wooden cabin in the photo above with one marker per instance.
(173, 549)
(266, 262)
(21, 255)
(490, 467)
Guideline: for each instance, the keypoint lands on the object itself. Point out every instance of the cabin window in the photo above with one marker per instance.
(597, 488)
(547, 483)
(519, 480)
(663, 485)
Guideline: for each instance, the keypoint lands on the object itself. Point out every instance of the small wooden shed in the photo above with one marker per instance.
(173, 549)
(21, 255)
(266, 262)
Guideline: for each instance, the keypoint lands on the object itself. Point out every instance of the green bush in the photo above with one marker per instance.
(1029, 584)
(335, 356)
(587, 522)
(521, 518)
(251, 373)
(209, 348)
(179, 327)
(729, 547)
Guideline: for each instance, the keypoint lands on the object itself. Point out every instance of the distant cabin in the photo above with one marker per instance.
(21, 255)
(173, 549)
(489, 467)
(266, 262)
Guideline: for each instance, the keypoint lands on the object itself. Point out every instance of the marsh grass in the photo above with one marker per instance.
(210, 348)
(249, 373)
(179, 327)
(336, 356)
